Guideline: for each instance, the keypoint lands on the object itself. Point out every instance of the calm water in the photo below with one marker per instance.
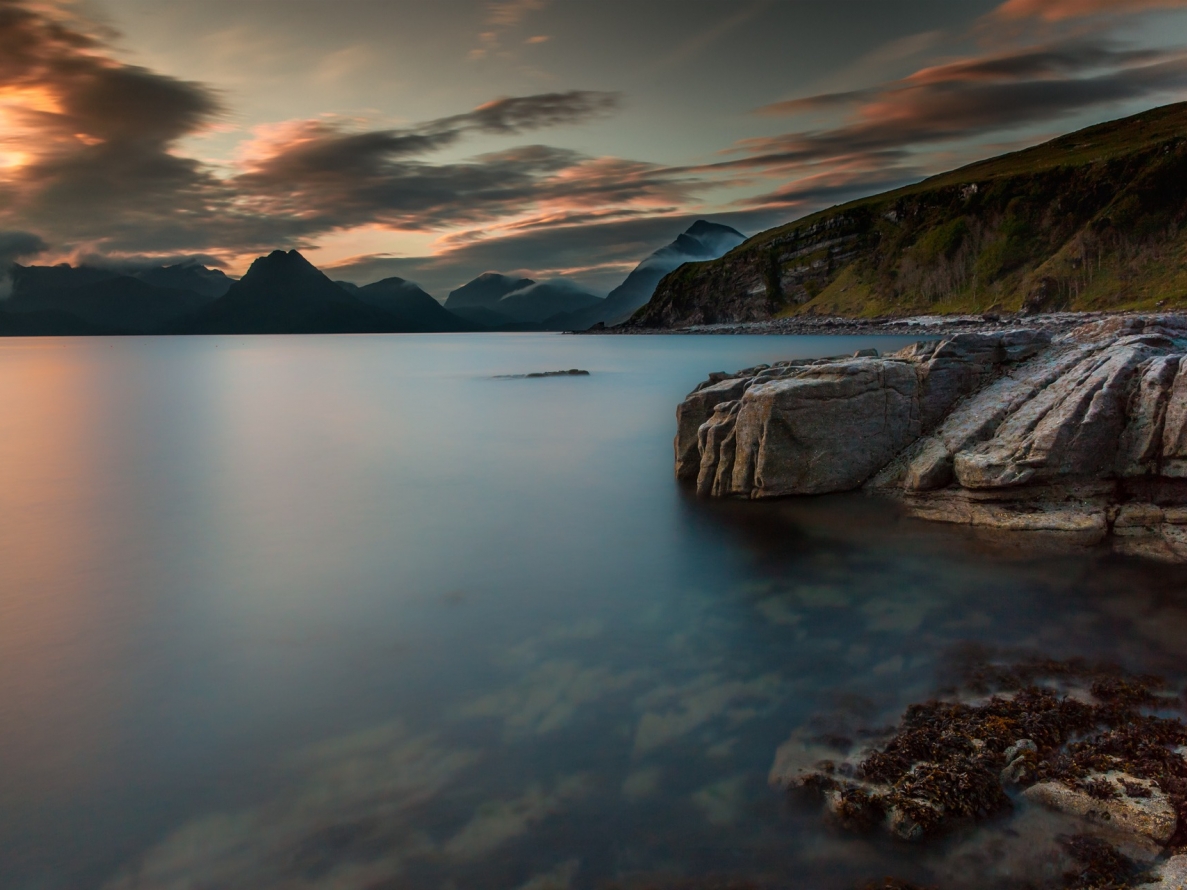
(345, 612)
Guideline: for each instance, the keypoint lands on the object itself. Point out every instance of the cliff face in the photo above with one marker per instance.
(1092, 220)
(1084, 434)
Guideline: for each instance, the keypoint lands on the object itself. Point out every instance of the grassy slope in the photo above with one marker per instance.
(1096, 219)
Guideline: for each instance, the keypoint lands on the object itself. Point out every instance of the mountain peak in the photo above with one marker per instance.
(485, 290)
(280, 263)
(703, 227)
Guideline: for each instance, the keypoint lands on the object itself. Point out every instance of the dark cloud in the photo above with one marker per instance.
(518, 114)
(106, 173)
(94, 136)
(329, 179)
(15, 246)
(965, 100)
(1036, 63)
(139, 263)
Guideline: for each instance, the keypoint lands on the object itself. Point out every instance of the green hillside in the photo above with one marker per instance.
(1091, 220)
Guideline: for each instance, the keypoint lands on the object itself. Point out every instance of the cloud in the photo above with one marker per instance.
(505, 13)
(501, 16)
(15, 246)
(91, 150)
(1060, 10)
(965, 99)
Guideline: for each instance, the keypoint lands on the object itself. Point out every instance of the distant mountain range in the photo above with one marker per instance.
(500, 302)
(283, 293)
(701, 241)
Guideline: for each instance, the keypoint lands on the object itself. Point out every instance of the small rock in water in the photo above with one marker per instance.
(572, 372)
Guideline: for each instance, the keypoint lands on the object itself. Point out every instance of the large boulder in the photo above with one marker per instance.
(1085, 434)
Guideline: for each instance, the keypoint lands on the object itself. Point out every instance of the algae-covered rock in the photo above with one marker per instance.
(1066, 736)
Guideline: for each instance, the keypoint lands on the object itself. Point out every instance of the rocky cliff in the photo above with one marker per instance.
(1083, 434)
(1092, 220)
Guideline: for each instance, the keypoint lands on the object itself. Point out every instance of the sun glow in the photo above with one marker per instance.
(24, 111)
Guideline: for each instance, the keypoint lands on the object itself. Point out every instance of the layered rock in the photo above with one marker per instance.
(1083, 434)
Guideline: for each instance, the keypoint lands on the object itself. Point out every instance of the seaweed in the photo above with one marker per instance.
(1102, 866)
(950, 762)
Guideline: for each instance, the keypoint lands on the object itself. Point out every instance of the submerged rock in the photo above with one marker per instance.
(1170, 875)
(1083, 435)
(1083, 742)
(1134, 809)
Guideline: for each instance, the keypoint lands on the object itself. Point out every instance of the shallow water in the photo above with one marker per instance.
(346, 612)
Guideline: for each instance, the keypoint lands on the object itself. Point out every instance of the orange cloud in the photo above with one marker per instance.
(1060, 10)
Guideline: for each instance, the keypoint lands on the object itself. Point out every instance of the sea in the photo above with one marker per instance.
(366, 613)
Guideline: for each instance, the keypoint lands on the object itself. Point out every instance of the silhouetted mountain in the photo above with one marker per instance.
(32, 279)
(414, 310)
(194, 277)
(482, 317)
(486, 290)
(542, 300)
(47, 323)
(283, 293)
(102, 300)
(703, 240)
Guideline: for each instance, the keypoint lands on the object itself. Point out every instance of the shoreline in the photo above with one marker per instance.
(921, 325)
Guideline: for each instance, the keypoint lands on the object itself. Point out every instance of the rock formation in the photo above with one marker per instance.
(1102, 749)
(1083, 434)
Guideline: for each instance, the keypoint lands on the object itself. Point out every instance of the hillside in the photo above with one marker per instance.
(1089, 221)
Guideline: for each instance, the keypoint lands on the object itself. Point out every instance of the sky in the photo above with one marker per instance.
(550, 138)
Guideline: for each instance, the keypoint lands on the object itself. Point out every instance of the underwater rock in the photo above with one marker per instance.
(1083, 435)
(1074, 738)
(1134, 808)
(1170, 875)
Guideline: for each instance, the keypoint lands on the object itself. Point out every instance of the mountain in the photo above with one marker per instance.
(46, 323)
(703, 240)
(540, 301)
(194, 277)
(102, 301)
(414, 310)
(485, 290)
(498, 301)
(1096, 219)
(283, 293)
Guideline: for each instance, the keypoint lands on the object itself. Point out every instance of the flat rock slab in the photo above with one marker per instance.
(1145, 821)
(1171, 875)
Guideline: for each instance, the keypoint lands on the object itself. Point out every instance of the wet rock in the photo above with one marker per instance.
(1092, 752)
(1082, 435)
(1021, 763)
(1170, 875)
(1135, 809)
